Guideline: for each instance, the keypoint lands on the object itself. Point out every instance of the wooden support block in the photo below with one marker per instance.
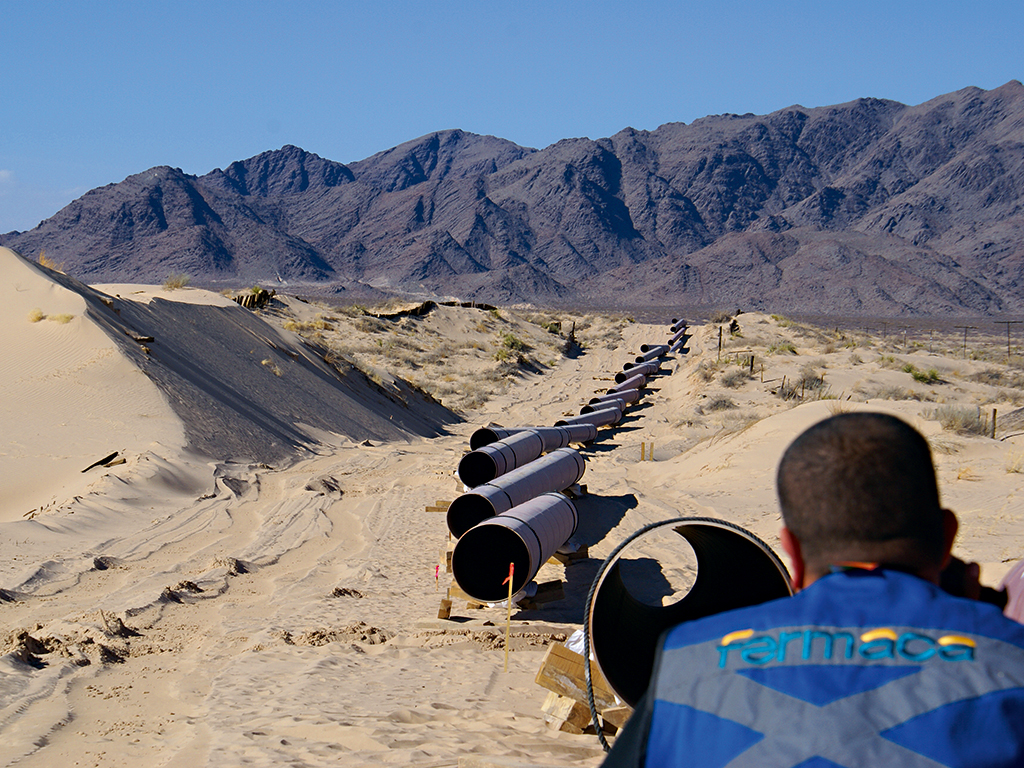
(442, 503)
(616, 716)
(436, 509)
(562, 671)
(576, 490)
(562, 713)
(445, 611)
(446, 559)
(568, 558)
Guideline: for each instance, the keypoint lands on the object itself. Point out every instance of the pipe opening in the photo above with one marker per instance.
(477, 468)
(481, 437)
(468, 510)
(481, 559)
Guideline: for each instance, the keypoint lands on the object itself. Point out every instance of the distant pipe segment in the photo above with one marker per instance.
(616, 402)
(643, 369)
(678, 335)
(555, 471)
(553, 437)
(633, 382)
(678, 346)
(526, 536)
(651, 352)
(677, 325)
(629, 395)
(599, 418)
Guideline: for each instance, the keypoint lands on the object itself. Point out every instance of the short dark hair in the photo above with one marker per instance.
(861, 486)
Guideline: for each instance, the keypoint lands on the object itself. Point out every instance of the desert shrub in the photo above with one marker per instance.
(892, 392)
(961, 420)
(782, 348)
(735, 378)
(176, 280)
(829, 348)
(706, 371)
(49, 263)
(368, 324)
(855, 359)
(810, 379)
(512, 342)
(931, 376)
(719, 404)
(889, 361)
(782, 322)
(35, 315)
(721, 317)
(62, 318)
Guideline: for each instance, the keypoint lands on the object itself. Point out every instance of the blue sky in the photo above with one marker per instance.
(93, 92)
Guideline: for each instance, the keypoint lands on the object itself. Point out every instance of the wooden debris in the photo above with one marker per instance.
(102, 462)
(445, 611)
(576, 491)
(562, 713)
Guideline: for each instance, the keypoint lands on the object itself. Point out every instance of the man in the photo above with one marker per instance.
(871, 663)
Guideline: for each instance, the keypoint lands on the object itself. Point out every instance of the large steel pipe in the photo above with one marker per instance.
(525, 536)
(484, 464)
(677, 325)
(617, 402)
(555, 471)
(629, 395)
(643, 369)
(633, 382)
(679, 345)
(734, 569)
(651, 353)
(599, 418)
(677, 336)
(553, 437)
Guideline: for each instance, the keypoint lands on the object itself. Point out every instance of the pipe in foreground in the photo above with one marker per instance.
(555, 471)
(734, 569)
(644, 369)
(633, 382)
(616, 402)
(495, 459)
(651, 353)
(599, 418)
(526, 536)
(553, 437)
(629, 395)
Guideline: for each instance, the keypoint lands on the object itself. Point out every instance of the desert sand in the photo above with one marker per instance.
(255, 583)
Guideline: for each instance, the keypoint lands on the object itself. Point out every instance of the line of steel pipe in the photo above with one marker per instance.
(633, 382)
(599, 418)
(677, 325)
(643, 369)
(554, 471)
(650, 354)
(628, 395)
(677, 346)
(526, 536)
(678, 335)
(553, 437)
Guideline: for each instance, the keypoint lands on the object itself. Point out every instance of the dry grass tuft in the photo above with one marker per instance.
(35, 315)
(176, 280)
(62, 318)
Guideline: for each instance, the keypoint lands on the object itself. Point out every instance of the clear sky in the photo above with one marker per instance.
(92, 92)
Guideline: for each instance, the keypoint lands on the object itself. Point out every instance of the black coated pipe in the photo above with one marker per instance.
(677, 336)
(555, 471)
(495, 459)
(651, 353)
(553, 437)
(617, 402)
(526, 536)
(629, 395)
(677, 325)
(633, 382)
(643, 369)
(599, 418)
(678, 345)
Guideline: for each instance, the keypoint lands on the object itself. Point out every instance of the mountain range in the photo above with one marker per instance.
(866, 208)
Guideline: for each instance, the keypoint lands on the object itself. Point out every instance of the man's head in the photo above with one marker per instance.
(861, 487)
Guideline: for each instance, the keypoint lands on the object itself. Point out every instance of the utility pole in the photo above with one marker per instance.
(965, 329)
(1008, 323)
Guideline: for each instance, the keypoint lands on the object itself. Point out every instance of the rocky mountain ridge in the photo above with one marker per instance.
(869, 207)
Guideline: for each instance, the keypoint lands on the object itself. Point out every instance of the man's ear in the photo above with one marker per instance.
(950, 525)
(791, 546)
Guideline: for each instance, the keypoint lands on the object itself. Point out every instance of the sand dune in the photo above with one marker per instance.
(255, 585)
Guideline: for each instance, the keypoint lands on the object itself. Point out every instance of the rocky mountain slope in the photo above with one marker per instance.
(870, 207)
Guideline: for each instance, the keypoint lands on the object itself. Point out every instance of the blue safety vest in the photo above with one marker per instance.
(862, 668)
